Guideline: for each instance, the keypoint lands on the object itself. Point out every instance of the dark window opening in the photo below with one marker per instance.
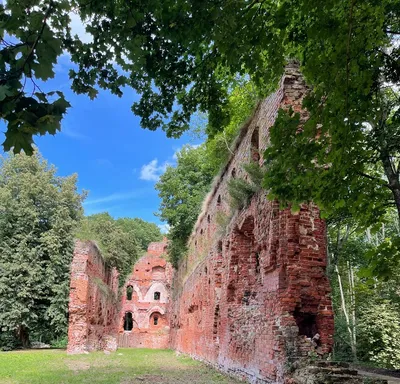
(128, 322)
(233, 173)
(216, 323)
(219, 247)
(219, 200)
(201, 232)
(157, 295)
(231, 293)
(208, 218)
(257, 256)
(255, 146)
(246, 297)
(155, 320)
(307, 323)
(129, 292)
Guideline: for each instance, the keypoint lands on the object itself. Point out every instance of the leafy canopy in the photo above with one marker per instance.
(180, 56)
(347, 154)
(182, 190)
(184, 56)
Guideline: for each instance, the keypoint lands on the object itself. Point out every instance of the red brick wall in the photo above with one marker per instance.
(251, 293)
(248, 297)
(92, 302)
(152, 273)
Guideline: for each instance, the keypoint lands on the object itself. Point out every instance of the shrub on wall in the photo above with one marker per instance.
(241, 191)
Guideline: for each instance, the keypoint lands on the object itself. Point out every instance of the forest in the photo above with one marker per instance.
(213, 60)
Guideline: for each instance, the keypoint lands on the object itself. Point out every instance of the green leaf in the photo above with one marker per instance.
(4, 92)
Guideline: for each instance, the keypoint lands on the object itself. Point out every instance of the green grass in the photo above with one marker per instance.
(126, 366)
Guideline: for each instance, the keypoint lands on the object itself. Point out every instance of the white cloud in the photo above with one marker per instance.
(67, 131)
(152, 171)
(164, 228)
(117, 197)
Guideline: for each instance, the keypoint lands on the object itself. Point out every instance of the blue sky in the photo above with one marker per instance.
(101, 140)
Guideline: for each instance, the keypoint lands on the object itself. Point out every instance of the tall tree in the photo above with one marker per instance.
(182, 190)
(121, 241)
(38, 215)
(143, 231)
(358, 296)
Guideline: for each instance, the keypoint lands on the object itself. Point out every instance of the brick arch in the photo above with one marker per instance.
(156, 308)
(135, 319)
(150, 313)
(242, 262)
(135, 290)
(160, 318)
(255, 146)
(157, 287)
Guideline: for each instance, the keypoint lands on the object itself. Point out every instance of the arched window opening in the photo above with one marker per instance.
(255, 146)
(157, 295)
(129, 292)
(128, 321)
(208, 219)
(219, 200)
(155, 320)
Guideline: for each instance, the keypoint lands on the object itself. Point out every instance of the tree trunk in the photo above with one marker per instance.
(23, 336)
(393, 177)
(346, 315)
(352, 308)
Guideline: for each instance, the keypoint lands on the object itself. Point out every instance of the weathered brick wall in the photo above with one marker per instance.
(151, 276)
(252, 293)
(92, 301)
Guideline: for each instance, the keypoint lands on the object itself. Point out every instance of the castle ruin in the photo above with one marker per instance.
(248, 298)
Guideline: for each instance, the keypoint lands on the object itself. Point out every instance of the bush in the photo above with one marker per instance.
(8, 341)
(379, 335)
(60, 343)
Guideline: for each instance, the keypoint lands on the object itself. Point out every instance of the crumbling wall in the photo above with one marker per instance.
(144, 315)
(252, 294)
(92, 301)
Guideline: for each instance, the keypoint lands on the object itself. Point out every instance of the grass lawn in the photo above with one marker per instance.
(126, 366)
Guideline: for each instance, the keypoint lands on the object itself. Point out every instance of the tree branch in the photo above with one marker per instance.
(46, 15)
(373, 178)
(391, 32)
